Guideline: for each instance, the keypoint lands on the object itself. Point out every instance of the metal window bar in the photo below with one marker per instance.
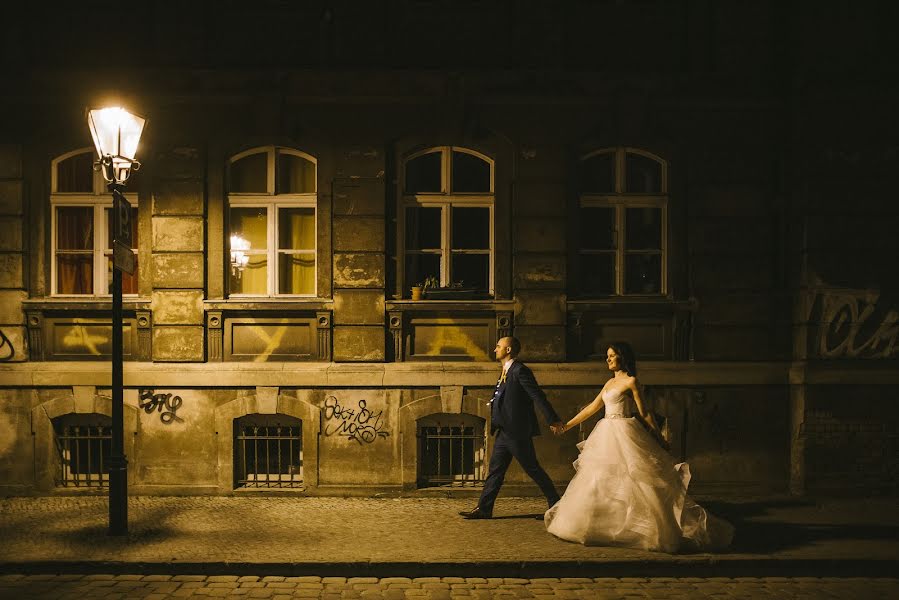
(83, 450)
(278, 463)
(452, 455)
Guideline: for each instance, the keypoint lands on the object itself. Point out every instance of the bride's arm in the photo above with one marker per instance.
(646, 416)
(586, 412)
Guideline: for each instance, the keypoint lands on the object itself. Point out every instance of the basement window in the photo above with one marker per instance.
(451, 450)
(83, 444)
(268, 452)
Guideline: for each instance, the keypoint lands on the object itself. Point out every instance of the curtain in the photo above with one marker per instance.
(75, 250)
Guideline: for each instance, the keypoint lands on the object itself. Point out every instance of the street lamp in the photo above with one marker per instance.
(116, 133)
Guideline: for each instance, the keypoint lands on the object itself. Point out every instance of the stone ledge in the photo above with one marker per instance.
(431, 374)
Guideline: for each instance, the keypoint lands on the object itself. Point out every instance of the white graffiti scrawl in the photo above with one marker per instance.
(854, 324)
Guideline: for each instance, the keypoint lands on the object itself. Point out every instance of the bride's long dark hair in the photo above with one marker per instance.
(626, 356)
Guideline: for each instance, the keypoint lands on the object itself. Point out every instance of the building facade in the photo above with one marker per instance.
(717, 194)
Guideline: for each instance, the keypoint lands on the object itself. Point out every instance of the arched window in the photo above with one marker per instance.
(622, 223)
(271, 223)
(447, 219)
(81, 209)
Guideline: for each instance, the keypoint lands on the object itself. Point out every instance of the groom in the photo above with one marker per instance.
(514, 422)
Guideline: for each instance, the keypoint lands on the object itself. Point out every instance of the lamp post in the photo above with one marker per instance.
(116, 133)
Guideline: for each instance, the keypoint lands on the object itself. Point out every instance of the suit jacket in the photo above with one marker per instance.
(513, 403)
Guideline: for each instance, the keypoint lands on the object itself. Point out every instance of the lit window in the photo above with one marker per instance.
(271, 223)
(451, 450)
(447, 212)
(82, 228)
(83, 443)
(268, 451)
(622, 221)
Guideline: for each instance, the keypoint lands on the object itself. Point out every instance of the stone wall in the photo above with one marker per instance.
(362, 437)
(13, 346)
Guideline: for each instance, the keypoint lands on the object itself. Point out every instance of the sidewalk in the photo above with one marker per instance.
(385, 537)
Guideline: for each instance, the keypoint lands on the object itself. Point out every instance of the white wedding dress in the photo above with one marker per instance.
(627, 491)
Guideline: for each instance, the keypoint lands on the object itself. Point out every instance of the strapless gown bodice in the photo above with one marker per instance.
(628, 491)
(617, 404)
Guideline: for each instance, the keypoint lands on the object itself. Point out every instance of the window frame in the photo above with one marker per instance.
(446, 200)
(99, 201)
(272, 201)
(620, 200)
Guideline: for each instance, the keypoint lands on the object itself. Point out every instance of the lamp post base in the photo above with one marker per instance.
(118, 495)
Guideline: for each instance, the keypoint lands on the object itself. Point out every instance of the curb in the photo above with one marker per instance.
(675, 567)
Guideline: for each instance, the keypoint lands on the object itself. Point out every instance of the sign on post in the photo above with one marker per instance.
(122, 256)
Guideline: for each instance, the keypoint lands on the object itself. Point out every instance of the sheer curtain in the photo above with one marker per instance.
(75, 250)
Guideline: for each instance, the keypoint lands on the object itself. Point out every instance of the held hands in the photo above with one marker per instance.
(558, 428)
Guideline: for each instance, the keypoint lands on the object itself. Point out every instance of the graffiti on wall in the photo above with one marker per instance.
(358, 424)
(854, 324)
(6, 348)
(166, 404)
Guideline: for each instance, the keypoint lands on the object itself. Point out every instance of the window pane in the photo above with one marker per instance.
(252, 279)
(76, 174)
(642, 274)
(129, 282)
(644, 228)
(75, 228)
(597, 174)
(471, 228)
(296, 228)
(423, 173)
(597, 228)
(109, 236)
(251, 224)
(296, 175)
(423, 228)
(470, 173)
(597, 273)
(644, 175)
(296, 273)
(421, 266)
(471, 270)
(250, 174)
(75, 273)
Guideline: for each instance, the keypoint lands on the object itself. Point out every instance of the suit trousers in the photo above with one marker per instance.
(505, 448)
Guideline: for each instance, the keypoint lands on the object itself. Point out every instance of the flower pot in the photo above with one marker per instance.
(416, 293)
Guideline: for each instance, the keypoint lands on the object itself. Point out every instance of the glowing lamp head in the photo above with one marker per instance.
(116, 133)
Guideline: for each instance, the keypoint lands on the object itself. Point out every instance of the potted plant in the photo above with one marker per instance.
(419, 290)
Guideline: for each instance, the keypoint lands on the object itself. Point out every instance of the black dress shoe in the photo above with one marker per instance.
(477, 513)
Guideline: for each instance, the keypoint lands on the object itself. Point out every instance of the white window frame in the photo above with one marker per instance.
(99, 199)
(621, 200)
(445, 199)
(272, 201)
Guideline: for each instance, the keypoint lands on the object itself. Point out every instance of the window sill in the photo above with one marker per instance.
(634, 302)
(84, 304)
(273, 304)
(413, 305)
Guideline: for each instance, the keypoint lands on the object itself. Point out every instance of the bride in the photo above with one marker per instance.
(627, 491)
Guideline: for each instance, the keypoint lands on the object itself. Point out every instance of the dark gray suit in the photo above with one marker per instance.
(514, 422)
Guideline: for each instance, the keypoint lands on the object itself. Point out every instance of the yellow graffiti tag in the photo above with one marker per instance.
(272, 342)
(78, 336)
(454, 337)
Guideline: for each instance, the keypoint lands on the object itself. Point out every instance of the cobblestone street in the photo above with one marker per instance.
(153, 587)
(271, 547)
